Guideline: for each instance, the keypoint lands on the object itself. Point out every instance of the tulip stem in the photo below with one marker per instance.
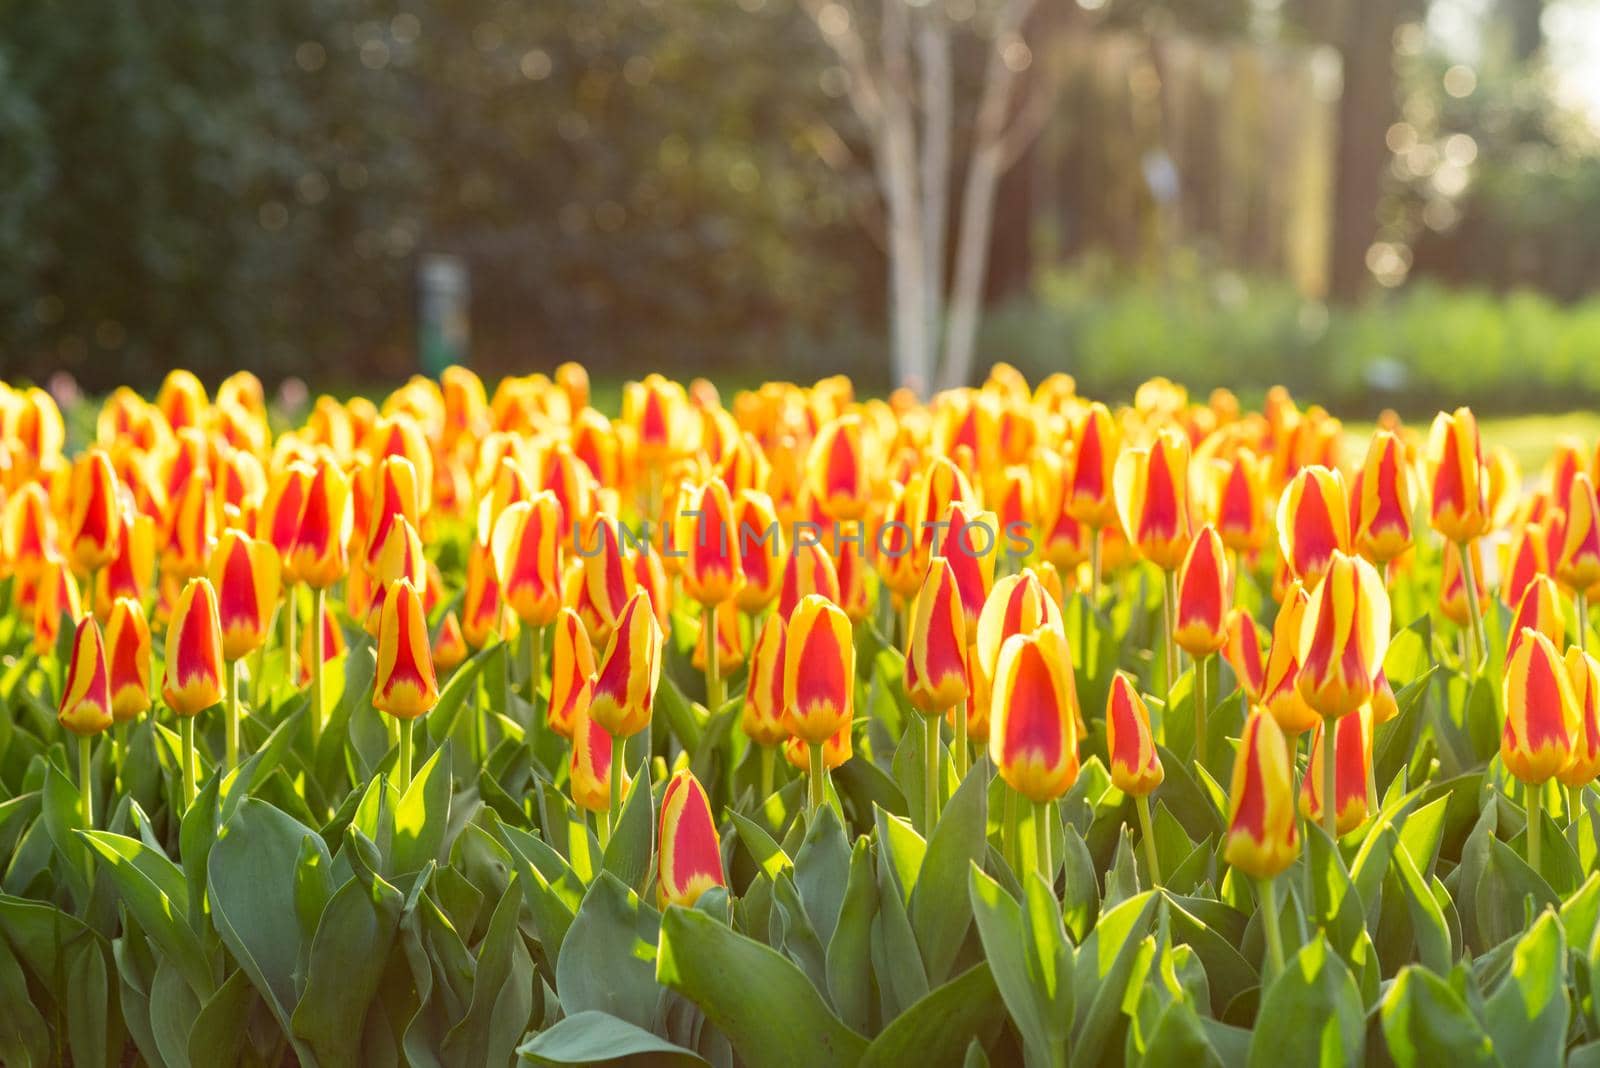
(768, 756)
(1581, 603)
(317, 596)
(1148, 832)
(231, 712)
(1010, 848)
(1200, 709)
(1169, 608)
(930, 792)
(85, 781)
(186, 734)
(714, 695)
(618, 746)
(1094, 566)
(959, 754)
(535, 664)
(405, 752)
(1479, 644)
(289, 615)
(1534, 805)
(1041, 830)
(1269, 927)
(817, 792)
(1330, 805)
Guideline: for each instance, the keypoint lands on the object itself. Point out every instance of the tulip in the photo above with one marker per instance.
(972, 546)
(936, 671)
(1539, 611)
(399, 556)
(94, 529)
(192, 529)
(405, 685)
(1542, 730)
(818, 680)
(1578, 566)
(837, 471)
(319, 553)
(691, 851)
(1018, 604)
(394, 494)
(596, 758)
(1453, 598)
(85, 708)
(603, 583)
(278, 521)
(1089, 494)
(760, 544)
(483, 613)
(1459, 504)
(1313, 523)
(707, 535)
(625, 682)
(1153, 501)
(571, 673)
(895, 544)
(1033, 736)
(1243, 653)
(1343, 637)
(449, 645)
(55, 596)
(836, 750)
(1527, 558)
(526, 547)
(809, 571)
(1280, 684)
(1201, 626)
(1135, 766)
(853, 571)
(1241, 514)
(127, 652)
(1382, 503)
(1584, 672)
(1262, 839)
(937, 487)
(244, 573)
(1350, 776)
(30, 532)
(194, 666)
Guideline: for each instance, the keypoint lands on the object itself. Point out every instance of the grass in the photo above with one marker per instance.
(1532, 438)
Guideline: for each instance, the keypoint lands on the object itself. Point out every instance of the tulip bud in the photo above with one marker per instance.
(972, 546)
(835, 751)
(527, 557)
(30, 531)
(1280, 685)
(1541, 710)
(936, 653)
(394, 494)
(1527, 558)
(836, 468)
(405, 685)
(192, 529)
(1584, 672)
(937, 488)
(449, 645)
(761, 543)
(590, 769)
(483, 614)
(691, 851)
(244, 573)
(818, 670)
(1343, 637)
(132, 571)
(708, 537)
(895, 543)
(1243, 653)
(1351, 757)
(127, 651)
(809, 571)
(1262, 837)
(1453, 586)
(55, 596)
(93, 530)
(319, 555)
(194, 669)
(1241, 512)
(604, 582)
(1457, 481)
(654, 410)
(571, 673)
(86, 696)
(1018, 604)
(762, 719)
(1313, 523)
(1382, 503)
(1579, 564)
(1135, 765)
(1089, 496)
(650, 575)
(1540, 611)
(278, 520)
(1153, 498)
(1033, 714)
(625, 683)
(1201, 627)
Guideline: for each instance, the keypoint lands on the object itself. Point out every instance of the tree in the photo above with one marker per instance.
(898, 55)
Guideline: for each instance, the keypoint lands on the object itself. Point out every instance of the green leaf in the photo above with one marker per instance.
(594, 1037)
(605, 964)
(154, 890)
(1506, 884)
(348, 957)
(849, 959)
(422, 817)
(502, 991)
(1426, 1024)
(821, 871)
(1100, 976)
(768, 854)
(1311, 1013)
(1030, 961)
(934, 1032)
(764, 1004)
(941, 910)
(632, 844)
(219, 1034)
(1528, 1014)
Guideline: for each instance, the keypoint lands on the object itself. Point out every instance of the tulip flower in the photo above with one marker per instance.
(1382, 498)
(399, 556)
(194, 666)
(1262, 838)
(762, 716)
(1280, 684)
(808, 571)
(818, 680)
(1578, 566)
(853, 572)
(939, 486)
(936, 671)
(837, 471)
(1350, 776)
(1313, 523)
(1089, 495)
(29, 535)
(483, 612)
(127, 653)
(603, 583)
(394, 493)
(972, 547)
(319, 553)
(1153, 499)
(85, 708)
(596, 757)
(55, 596)
(244, 573)
(1201, 624)
(1018, 604)
(1241, 512)
(1033, 736)
(894, 544)
(691, 851)
(707, 535)
(1526, 558)
(449, 645)
(93, 529)
(526, 547)
(1243, 653)
(836, 750)
(626, 680)
(1539, 611)
(405, 685)
(1453, 598)
(1542, 731)
(1584, 672)
(1343, 637)
(1135, 766)
(1459, 504)
(571, 673)
(192, 529)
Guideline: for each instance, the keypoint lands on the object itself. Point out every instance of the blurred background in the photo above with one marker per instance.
(1377, 202)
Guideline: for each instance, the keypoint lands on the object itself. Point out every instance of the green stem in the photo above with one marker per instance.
(1330, 807)
(1469, 583)
(1535, 808)
(618, 746)
(186, 734)
(1169, 610)
(289, 618)
(959, 755)
(317, 653)
(1094, 566)
(714, 695)
(930, 791)
(1201, 709)
(85, 781)
(231, 713)
(816, 794)
(1041, 830)
(1010, 847)
(769, 755)
(1581, 602)
(1148, 832)
(405, 752)
(1269, 926)
(535, 664)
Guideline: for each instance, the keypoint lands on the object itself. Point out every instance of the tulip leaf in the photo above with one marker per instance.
(422, 816)
(604, 964)
(849, 956)
(219, 1034)
(1528, 1014)
(933, 1032)
(1506, 883)
(768, 854)
(766, 1006)
(1100, 976)
(821, 870)
(348, 956)
(1426, 1023)
(941, 909)
(628, 855)
(593, 1037)
(1030, 961)
(154, 890)
(502, 991)
(1311, 1013)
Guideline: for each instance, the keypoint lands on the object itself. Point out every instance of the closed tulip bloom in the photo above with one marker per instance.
(1579, 564)
(761, 548)
(244, 573)
(483, 611)
(132, 571)
(707, 535)
(1152, 486)
(853, 571)
(809, 571)
(1453, 586)
(1541, 725)
(625, 683)
(1203, 596)
(449, 645)
(972, 547)
(563, 475)
(93, 530)
(194, 668)
(278, 520)
(1350, 774)
(1018, 604)
(762, 717)
(571, 673)
(1313, 522)
(650, 575)
(319, 555)
(1033, 713)
(1540, 611)
(1241, 512)
(835, 751)
(394, 494)
(1089, 495)
(55, 596)
(604, 581)
(590, 767)
(526, 546)
(1382, 505)
(1343, 637)
(1457, 481)
(86, 696)
(1135, 765)
(837, 470)
(938, 486)
(977, 710)
(819, 667)
(654, 409)
(894, 544)
(1280, 689)
(936, 654)
(192, 529)
(1584, 672)
(405, 685)
(691, 851)
(1527, 558)
(127, 652)
(400, 556)
(1243, 653)
(1262, 838)
(30, 531)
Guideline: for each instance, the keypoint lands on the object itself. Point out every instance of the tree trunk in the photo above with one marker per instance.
(938, 107)
(898, 165)
(1365, 41)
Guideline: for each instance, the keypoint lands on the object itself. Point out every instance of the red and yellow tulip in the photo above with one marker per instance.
(625, 682)
(1033, 714)
(1135, 766)
(819, 664)
(194, 663)
(1262, 838)
(86, 694)
(690, 849)
(405, 685)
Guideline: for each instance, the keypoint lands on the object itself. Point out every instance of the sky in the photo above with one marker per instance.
(1571, 33)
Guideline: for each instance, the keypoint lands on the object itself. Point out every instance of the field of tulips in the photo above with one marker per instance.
(470, 726)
